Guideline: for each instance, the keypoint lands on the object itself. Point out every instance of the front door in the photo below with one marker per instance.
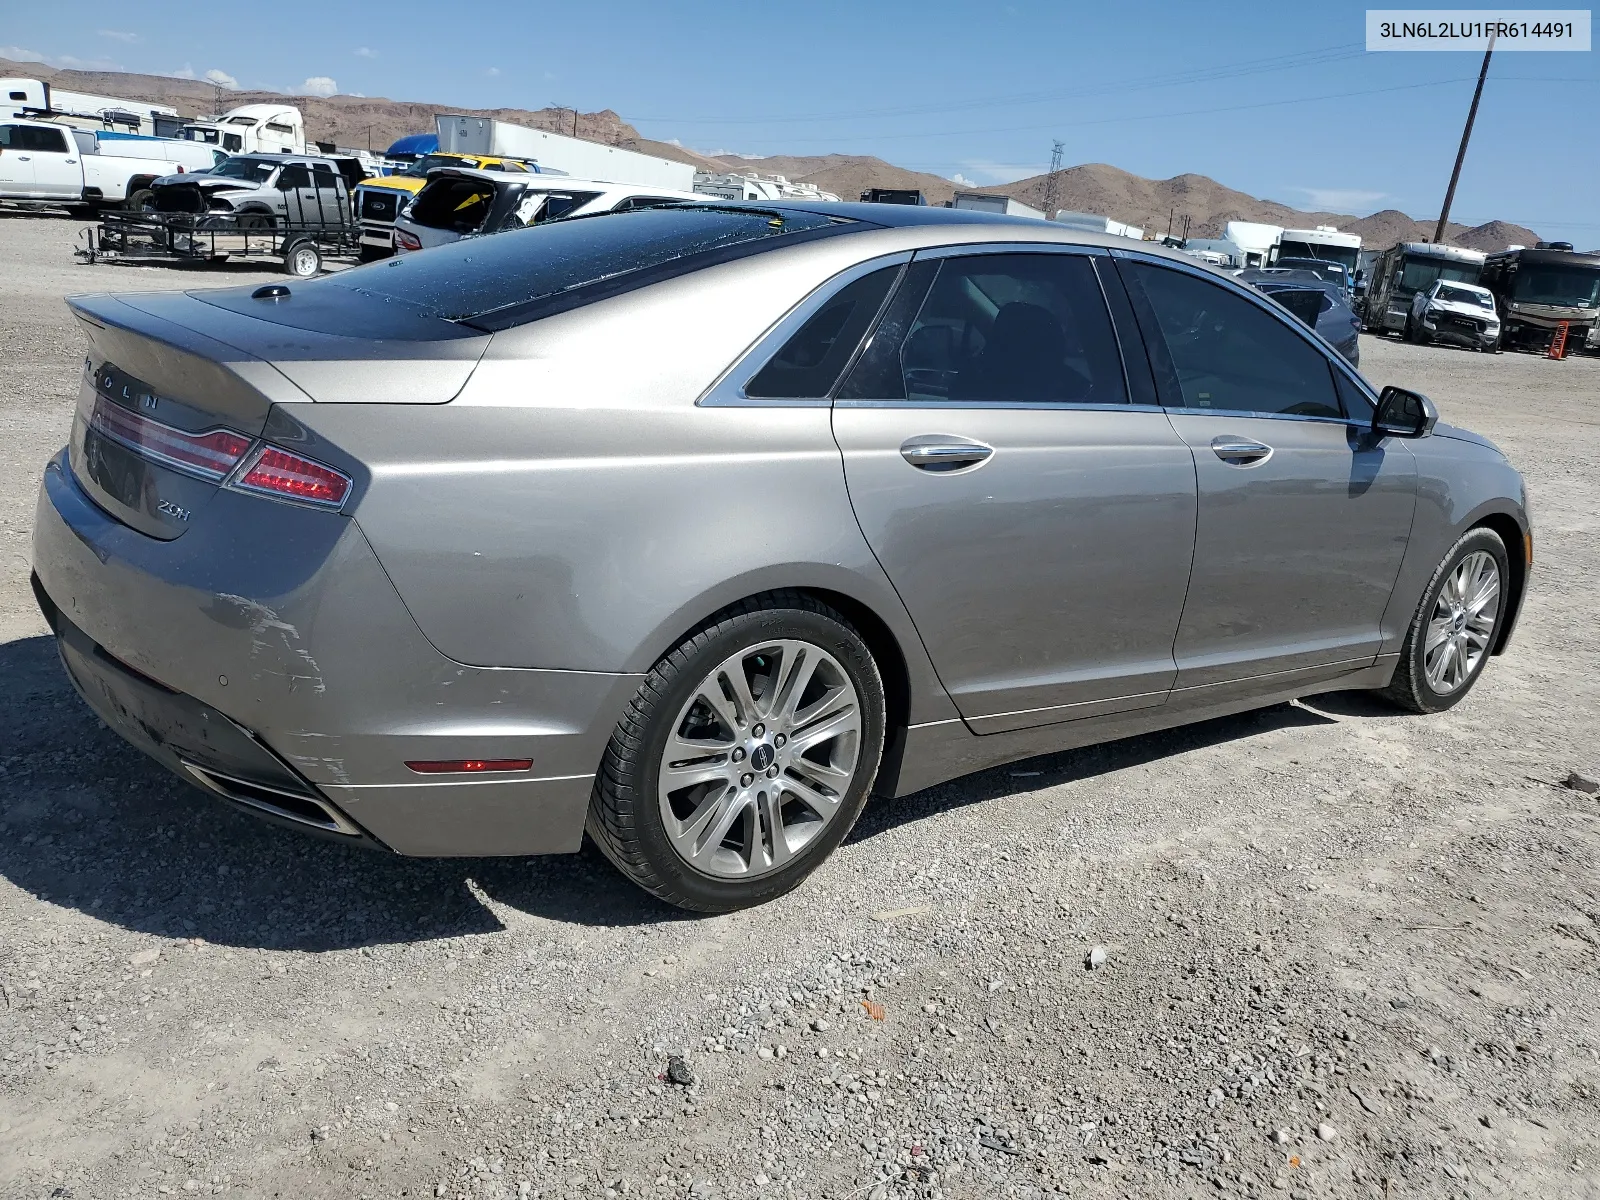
(1037, 525)
(1304, 515)
(57, 168)
(16, 161)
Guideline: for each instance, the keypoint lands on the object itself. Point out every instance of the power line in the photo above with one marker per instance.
(1052, 183)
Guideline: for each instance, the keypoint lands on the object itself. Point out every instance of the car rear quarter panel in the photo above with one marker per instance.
(574, 508)
(1460, 483)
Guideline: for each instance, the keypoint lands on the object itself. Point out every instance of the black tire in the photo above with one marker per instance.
(255, 221)
(1410, 689)
(625, 819)
(302, 259)
(142, 200)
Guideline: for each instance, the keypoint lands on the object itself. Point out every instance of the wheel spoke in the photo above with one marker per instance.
(813, 797)
(733, 673)
(711, 695)
(840, 721)
(775, 838)
(701, 835)
(801, 667)
(1438, 630)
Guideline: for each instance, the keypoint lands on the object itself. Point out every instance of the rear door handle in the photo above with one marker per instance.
(942, 452)
(1240, 452)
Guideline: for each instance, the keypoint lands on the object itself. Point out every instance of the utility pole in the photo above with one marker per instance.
(1466, 135)
(1052, 182)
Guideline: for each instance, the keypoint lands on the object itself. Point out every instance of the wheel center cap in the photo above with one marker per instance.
(761, 757)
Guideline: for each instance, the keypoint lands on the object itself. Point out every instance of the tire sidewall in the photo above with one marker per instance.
(1478, 539)
(706, 892)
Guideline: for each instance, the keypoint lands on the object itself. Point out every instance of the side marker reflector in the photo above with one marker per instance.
(470, 766)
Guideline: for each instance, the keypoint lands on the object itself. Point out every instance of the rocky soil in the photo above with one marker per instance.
(1322, 950)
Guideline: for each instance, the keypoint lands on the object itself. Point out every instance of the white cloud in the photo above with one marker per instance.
(492, 72)
(221, 78)
(69, 61)
(118, 35)
(1340, 199)
(319, 85)
(961, 180)
(365, 52)
(730, 154)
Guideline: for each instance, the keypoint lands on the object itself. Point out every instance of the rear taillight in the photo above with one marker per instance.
(275, 472)
(406, 241)
(210, 455)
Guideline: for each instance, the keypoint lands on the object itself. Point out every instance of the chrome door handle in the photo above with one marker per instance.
(939, 452)
(1240, 452)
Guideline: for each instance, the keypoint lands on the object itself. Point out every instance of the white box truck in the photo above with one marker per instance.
(555, 151)
(989, 202)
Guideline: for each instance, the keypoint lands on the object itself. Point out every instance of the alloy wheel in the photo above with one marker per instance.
(1462, 623)
(760, 759)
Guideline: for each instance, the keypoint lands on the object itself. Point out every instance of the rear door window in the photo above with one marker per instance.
(294, 176)
(40, 141)
(457, 204)
(810, 362)
(998, 329)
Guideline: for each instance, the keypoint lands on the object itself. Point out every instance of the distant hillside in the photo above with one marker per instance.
(1092, 187)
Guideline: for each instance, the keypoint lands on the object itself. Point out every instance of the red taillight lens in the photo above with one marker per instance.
(406, 241)
(470, 766)
(210, 455)
(278, 473)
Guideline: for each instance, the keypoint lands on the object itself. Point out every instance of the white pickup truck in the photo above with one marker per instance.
(43, 162)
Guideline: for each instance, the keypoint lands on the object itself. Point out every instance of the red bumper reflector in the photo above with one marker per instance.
(280, 473)
(470, 766)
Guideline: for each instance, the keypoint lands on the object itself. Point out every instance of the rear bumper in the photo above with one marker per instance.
(266, 645)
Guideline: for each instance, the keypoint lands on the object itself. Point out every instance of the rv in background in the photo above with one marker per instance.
(989, 202)
(557, 153)
(1537, 289)
(750, 185)
(1254, 240)
(35, 99)
(1405, 269)
(252, 129)
(1324, 242)
(1096, 224)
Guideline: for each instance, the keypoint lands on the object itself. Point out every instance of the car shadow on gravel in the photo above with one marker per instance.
(89, 823)
(1071, 766)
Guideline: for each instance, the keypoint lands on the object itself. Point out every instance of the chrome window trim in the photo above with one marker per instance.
(1014, 405)
(970, 249)
(1251, 415)
(1282, 315)
(728, 390)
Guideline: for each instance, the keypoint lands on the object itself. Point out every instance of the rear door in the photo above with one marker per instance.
(1304, 516)
(57, 167)
(1029, 500)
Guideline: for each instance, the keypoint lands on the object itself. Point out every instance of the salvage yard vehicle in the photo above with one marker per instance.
(1538, 290)
(255, 187)
(1319, 303)
(44, 162)
(380, 201)
(1461, 314)
(1407, 268)
(458, 204)
(694, 526)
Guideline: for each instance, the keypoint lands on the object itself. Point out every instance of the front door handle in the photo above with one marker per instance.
(942, 452)
(1240, 452)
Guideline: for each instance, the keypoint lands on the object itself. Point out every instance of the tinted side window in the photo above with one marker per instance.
(1003, 329)
(294, 176)
(8, 135)
(810, 362)
(1225, 353)
(1356, 405)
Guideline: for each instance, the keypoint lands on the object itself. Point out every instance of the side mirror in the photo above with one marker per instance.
(1404, 413)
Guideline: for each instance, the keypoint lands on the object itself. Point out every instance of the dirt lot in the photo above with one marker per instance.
(1350, 953)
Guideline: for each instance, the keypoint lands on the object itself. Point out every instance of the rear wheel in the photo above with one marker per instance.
(302, 259)
(745, 758)
(142, 200)
(1455, 626)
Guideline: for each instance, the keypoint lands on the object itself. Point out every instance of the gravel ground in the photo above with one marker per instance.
(1345, 952)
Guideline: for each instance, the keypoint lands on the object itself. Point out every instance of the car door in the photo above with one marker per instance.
(1304, 515)
(57, 168)
(1037, 522)
(16, 161)
(299, 203)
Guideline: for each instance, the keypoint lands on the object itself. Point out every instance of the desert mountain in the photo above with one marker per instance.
(1092, 187)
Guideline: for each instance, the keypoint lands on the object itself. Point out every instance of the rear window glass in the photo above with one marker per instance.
(498, 281)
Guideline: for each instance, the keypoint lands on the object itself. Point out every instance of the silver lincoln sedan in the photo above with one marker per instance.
(692, 527)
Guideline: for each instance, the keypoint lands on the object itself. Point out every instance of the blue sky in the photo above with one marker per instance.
(1279, 101)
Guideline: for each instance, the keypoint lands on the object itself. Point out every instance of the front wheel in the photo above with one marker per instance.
(1455, 626)
(142, 200)
(745, 758)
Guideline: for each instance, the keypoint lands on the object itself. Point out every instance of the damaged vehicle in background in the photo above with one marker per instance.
(458, 203)
(254, 187)
(1315, 300)
(1461, 314)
